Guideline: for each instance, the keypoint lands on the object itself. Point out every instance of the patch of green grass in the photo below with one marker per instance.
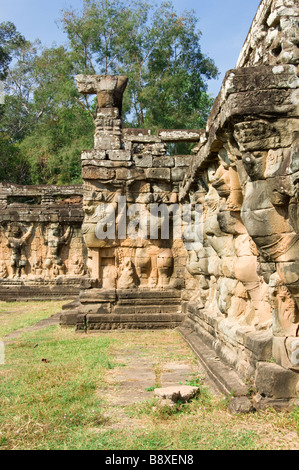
(151, 389)
(18, 315)
(219, 438)
(184, 436)
(46, 404)
(63, 403)
(295, 416)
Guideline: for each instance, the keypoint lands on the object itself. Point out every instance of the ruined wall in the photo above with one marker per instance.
(233, 284)
(41, 247)
(136, 279)
(246, 175)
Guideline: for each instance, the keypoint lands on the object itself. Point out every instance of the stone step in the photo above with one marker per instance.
(152, 301)
(222, 375)
(148, 294)
(130, 321)
(131, 297)
(146, 309)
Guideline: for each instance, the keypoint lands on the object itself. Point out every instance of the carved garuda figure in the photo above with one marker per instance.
(16, 240)
(54, 241)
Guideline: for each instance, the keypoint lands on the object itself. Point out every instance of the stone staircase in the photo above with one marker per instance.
(125, 309)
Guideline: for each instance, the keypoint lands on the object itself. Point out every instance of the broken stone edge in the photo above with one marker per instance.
(227, 381)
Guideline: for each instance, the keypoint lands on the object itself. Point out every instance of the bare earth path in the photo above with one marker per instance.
(153, 359)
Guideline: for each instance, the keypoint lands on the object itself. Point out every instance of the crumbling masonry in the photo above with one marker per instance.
(234, 293)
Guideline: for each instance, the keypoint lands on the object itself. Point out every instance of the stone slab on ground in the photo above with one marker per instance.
(140, 369)
(176, 393)
(137, 376)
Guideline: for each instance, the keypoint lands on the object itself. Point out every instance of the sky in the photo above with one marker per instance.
(224, 25)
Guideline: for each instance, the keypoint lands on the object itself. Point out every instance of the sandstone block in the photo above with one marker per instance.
(182, 393)
(107, 142)
(166, 162)
(274, 381)
(144, 161)
(184, 135)
(177, 174)
(97, 173)
(158, 173)
(119, 155)
(93, 154)
(240, 405)
(129, 174)
(182, 160)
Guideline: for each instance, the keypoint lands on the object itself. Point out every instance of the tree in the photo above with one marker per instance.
(44, 125)
(60, 125)
(10, 39)
(13, 168)
(156, 48)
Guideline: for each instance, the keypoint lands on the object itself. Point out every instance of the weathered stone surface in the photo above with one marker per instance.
(184, 135)
(93, 155)
(182, 160)
(127, 174)
(275, 381)
(272, 37)
(69, 318)
(240, 405)
(280, 404)
(144, 161)
(234, 271)
(177, 174)
(180, 393)
(119, 155)
(104, 142)
(41, 246)
(158, 174)
(245, 264)
(96, 173)
(132, 267)
(164, 162)
(109, 89)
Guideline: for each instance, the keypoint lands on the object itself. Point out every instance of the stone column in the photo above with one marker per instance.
(97, 164)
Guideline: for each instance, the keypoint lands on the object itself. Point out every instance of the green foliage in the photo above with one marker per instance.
(45, 127)
(45, 123)
(10, 39)
(56, 160)
(156, 48)
(13, 167)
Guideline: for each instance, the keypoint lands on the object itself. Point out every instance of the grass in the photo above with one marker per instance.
(19, 315)
(63, 402)
(43, 404)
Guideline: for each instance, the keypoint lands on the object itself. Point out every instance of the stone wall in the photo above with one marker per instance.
(135, 279)
(246, 175)
(41, 248)
(232, 285)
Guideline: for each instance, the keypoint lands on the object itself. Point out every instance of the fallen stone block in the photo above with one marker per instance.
(240, 405)
(182, 393)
